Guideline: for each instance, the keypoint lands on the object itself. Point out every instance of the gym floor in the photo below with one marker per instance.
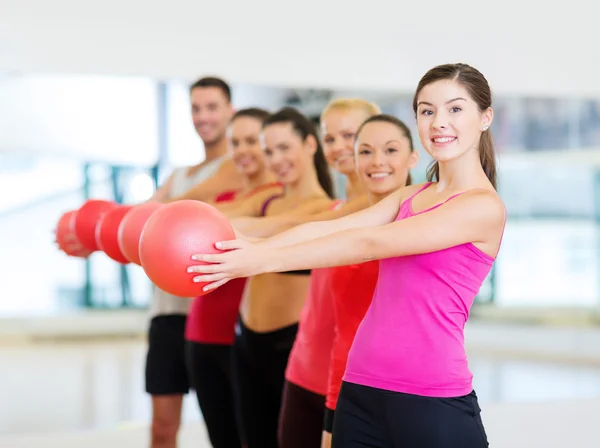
(95, 389)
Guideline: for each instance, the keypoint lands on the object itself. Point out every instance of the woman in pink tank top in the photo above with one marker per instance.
(407, 380)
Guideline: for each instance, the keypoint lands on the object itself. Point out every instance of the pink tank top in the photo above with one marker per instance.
(411, 339)
(308, 363)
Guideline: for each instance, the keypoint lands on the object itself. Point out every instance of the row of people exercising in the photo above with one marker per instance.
(303, 293)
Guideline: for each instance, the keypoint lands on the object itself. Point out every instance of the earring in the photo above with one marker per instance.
(485, 128)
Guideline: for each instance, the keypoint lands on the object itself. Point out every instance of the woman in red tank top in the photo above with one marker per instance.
(384, 156)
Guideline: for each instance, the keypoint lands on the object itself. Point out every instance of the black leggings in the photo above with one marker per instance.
(368, 417)
(209, 368)
(259, 361)
(301, 419)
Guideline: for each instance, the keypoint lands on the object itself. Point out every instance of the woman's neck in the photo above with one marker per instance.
(462, 173)
(307, 186)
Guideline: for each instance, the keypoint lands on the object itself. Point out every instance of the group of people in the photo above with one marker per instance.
(329, 321)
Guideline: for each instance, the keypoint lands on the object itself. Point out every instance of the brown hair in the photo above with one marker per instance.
(252, 112)
(384, 118)
(479, 90)
(211, 81)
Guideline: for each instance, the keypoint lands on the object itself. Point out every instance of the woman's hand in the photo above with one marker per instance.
(241, 259)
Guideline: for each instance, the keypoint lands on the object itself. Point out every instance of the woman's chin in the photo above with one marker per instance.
(380, 187)
(346, 168)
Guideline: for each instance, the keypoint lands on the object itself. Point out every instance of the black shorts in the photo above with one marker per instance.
(166, 370)
(366, 416)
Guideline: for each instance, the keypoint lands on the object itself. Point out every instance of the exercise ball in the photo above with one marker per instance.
(170, 238)
(65, 236)
(64, 229)
(107, 233)
(131, 228)
(87, 219)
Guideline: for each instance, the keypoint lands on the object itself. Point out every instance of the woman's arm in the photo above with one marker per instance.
(470, 218)
(381, 213)
(268, 226)
(476, 217)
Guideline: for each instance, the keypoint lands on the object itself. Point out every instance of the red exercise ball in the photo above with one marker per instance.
(131, 228)
(65, 236)
(65, 228)
(87, 219)
(170, 238)
(107, 232)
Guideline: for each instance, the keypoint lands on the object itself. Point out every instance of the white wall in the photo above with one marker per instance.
(184, 146)
(106, 118)
(382, 44)
(93, 117)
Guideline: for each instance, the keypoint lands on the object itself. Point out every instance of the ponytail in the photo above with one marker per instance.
(433, 172)
(323, 173)
(486, 155)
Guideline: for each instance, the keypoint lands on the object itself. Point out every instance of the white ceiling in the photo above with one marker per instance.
(535, 48)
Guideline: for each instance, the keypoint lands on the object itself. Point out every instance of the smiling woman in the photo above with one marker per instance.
(443, 125)
(381, 167)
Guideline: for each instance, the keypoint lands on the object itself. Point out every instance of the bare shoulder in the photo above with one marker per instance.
(266, 190)
(259, 197)
(483, 211)
(404, 193)
(319, 205)
(277, 206)
(485, 202)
